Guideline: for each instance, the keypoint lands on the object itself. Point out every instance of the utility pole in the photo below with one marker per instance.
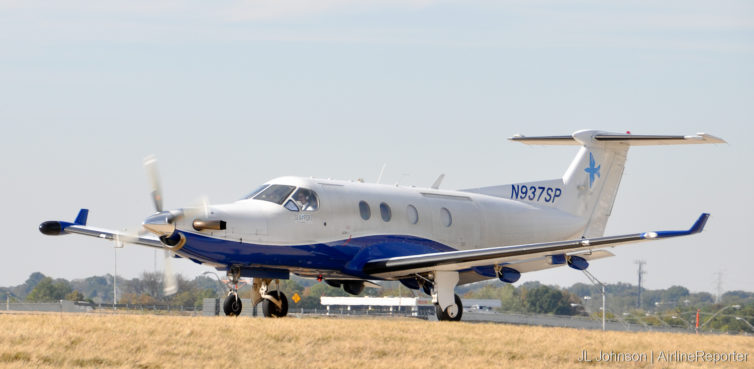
(118, 245)
(641, 272)
(719, 286)
(115, 277)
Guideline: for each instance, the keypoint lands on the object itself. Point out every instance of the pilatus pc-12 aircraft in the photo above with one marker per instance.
(349, 232)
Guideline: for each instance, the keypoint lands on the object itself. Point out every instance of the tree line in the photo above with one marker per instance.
(675, 306)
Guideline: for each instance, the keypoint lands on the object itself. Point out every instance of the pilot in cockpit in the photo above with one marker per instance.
(303, 199)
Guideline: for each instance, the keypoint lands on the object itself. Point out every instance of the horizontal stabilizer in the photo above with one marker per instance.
(627, 138)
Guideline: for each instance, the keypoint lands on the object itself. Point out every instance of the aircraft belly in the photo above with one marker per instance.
(345, 256)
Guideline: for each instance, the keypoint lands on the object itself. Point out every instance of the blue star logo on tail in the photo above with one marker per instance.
(592, 170)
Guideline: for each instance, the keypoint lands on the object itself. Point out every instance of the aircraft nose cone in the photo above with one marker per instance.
(160, 224)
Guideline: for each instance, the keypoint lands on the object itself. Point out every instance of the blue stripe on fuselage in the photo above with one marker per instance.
(347, 256)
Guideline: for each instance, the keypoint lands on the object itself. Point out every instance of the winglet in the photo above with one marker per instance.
(81, 218)
(700, 223)
(696, 228)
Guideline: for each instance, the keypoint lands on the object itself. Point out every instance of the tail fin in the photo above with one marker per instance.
(591, 182)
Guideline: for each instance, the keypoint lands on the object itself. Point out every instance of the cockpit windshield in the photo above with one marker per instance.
(303, 199)
(275, 193)
(253, 193)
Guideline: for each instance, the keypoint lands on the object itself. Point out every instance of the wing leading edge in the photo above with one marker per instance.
(461, 260)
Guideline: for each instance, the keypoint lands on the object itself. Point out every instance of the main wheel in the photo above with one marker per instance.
(269, 309)
(232, 305)
(452, 312)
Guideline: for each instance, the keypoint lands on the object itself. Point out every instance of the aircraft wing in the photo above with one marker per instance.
(529, 256)
(144, 240)
(58, 227)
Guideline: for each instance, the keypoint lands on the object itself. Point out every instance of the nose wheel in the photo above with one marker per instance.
(232, 305)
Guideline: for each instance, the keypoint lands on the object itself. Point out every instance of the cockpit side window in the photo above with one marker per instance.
(253, 193)
(306, 199)
(291, 205)
(275, 193)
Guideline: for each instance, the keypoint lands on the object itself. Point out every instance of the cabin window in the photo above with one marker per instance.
(364, 210)
(306, 199)
(385, 212)
(413, 215)
(275, 193)
(445, 217)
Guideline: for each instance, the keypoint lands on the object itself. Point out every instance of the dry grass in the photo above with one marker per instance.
(138, 341)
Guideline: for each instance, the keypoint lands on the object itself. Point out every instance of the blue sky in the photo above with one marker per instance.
(231, 94)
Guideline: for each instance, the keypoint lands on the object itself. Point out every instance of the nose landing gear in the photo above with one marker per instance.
(232, 305)
(274, 303)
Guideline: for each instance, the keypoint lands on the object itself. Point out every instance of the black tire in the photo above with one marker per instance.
(270, 310)
(443, 314)
(232, 305)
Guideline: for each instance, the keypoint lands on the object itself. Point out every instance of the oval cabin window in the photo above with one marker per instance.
(385, 212)
(413, 215)
(364, 210)
(445, 217)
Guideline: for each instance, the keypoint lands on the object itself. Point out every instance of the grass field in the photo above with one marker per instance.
(145, 341)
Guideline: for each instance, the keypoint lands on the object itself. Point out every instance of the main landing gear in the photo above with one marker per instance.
(274, 303)
(448, 305)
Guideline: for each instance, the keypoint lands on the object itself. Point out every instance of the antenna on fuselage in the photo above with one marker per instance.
(379, 178)
(439, 179)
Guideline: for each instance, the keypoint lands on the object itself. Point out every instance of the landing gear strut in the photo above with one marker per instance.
(448, 305)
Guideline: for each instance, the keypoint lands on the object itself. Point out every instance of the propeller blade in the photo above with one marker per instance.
(150, 164)
(124, 237)
(169, 282)
(198, 209)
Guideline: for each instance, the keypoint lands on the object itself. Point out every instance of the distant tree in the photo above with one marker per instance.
(96, 288)
(583, 289)
(675, 294)
(151, 284)
(48, 290)
(75, 295)
(737, 297)
(24, 289)
(549, 300)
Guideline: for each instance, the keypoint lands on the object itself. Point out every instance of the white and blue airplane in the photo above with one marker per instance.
(349, 232)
